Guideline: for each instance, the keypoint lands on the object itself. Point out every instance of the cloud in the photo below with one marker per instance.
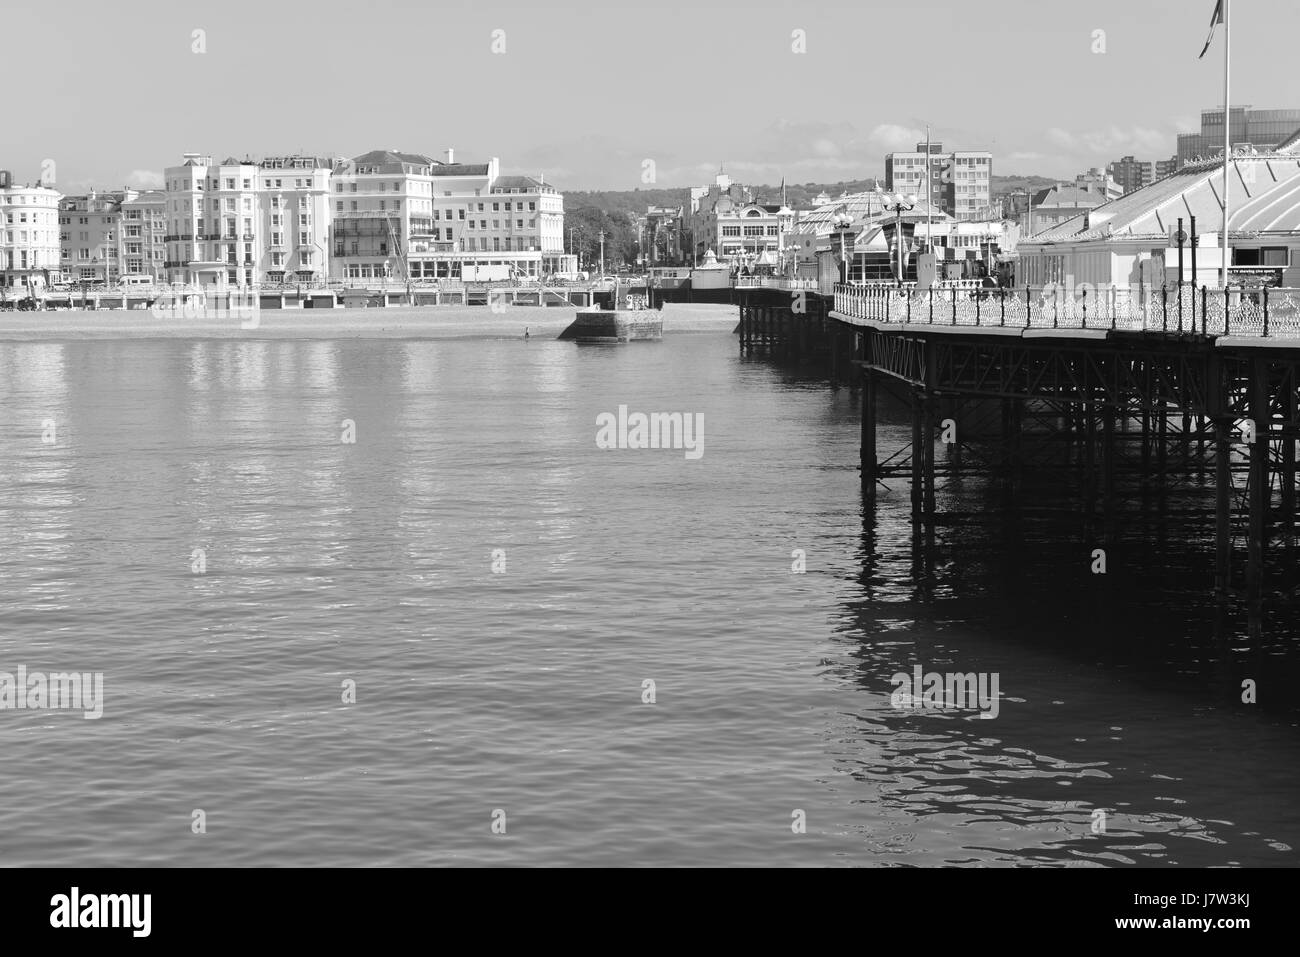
(1113, 142)
(144, 179)
(889, 136)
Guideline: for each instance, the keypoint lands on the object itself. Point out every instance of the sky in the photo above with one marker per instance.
(617, 94)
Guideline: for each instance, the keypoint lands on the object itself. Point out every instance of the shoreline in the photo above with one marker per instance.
(398, 322)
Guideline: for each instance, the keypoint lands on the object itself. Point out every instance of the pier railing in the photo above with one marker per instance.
(1236, 311)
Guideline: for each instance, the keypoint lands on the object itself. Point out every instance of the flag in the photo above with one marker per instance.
(1215, 19)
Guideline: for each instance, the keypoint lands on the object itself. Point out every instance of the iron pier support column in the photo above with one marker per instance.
(1218, 402)
(1287, 449)
(869, 389)
(1259, 493)
(918, 457)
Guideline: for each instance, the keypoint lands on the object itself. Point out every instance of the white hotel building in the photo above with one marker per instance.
(406, 216)
(29, 237)
(385, 215)
(239, 223)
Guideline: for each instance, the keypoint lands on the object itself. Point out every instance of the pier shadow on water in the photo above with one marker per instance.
(1138, 721)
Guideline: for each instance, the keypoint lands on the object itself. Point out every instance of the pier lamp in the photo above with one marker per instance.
(842, 224)
(899, 204)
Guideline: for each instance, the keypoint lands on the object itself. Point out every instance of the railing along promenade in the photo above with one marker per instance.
(1259, 312)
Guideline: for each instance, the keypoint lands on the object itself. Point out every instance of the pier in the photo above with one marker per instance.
(1123, 396)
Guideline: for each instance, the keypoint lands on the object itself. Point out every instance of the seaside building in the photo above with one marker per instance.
(1132, 240)
(661, 234)
(29, 239)
(707, 203)
(1131, 174)
(960, 182)
(408, 216)
(111, 236)
(1262, 129)
(142, 249)
(245, 222)
(1099, 181)
(1057, 204)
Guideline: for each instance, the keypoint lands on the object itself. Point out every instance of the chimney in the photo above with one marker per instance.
(451, 156)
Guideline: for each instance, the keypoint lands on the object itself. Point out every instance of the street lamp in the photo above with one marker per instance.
(900, 204)
(842, 224)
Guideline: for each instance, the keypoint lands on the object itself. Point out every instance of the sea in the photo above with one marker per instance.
(375, 602)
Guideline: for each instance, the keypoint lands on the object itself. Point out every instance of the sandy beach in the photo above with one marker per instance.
(398, 322)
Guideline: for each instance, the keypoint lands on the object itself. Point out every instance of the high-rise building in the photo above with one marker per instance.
(29, 237)
(1262, 129)
(1131, 174)
(959, 182)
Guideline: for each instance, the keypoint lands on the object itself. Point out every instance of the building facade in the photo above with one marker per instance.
(1057, 204)
(1131, 174)
(1262, 129)
(1099, 181)
(959, 182)
(411, 217)
(114, 236)
(240, 223)
(29, 240)
(142, 249)
(661, 232)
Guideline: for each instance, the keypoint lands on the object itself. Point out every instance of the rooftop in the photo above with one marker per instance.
(1265, 199)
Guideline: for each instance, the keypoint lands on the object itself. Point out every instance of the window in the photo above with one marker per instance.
(462, 214)
(303, 240)
(230, 183)
(338, 207)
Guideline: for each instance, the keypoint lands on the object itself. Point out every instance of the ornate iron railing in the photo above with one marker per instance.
(1237, 311)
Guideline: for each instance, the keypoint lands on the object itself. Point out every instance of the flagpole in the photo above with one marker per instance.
(1227, 135)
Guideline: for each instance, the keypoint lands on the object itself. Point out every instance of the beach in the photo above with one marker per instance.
(397, 322)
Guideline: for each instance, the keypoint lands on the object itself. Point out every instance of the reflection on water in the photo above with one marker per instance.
(521, 688)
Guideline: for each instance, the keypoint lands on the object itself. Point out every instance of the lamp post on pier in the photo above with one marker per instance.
(842, 224)
(900, 204)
